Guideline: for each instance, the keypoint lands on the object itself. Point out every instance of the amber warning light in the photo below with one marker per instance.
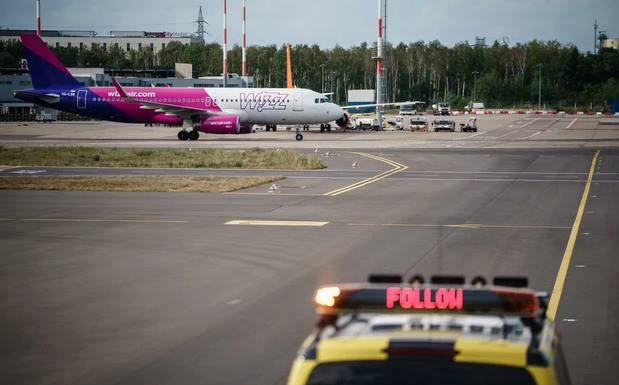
(408, 297)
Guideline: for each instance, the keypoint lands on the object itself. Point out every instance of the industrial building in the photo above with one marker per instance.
(611, 43)
(126, 40)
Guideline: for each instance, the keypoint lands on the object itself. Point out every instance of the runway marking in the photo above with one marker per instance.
(551, 123)
(572, 123)
(513, 132)
(398, 167)
(275, 223)
(86, 220)
(461, 226)
(532, 121)
(555, 297)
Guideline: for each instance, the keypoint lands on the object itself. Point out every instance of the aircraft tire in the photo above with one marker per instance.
(183, 135)
(193, 135)
(299, 137)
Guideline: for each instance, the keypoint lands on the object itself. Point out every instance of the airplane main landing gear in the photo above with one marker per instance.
(183, 135)
(299, 136)
(325, 127)
(194, 135)
(271, 127)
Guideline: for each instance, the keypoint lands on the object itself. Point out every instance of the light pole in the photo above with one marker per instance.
(539, 106)
(323, 77)
(475, 91)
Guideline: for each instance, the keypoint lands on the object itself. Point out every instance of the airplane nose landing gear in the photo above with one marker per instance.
(298, 136)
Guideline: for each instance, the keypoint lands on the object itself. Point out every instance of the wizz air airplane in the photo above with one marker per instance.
(208, 110)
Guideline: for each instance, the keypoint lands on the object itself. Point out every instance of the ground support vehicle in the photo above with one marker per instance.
(444, 125)
(471, 125)
(445, 332)
(418, 124)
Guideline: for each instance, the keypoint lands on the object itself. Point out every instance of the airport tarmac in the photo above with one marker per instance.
(160, 288)
(495, 131)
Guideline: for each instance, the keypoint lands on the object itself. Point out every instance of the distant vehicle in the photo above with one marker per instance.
(474, 107)
(386, 331)
(412, 108)
(444, 125)
(471, 125)
(45, 118)
(442, 108)
(366, 123)
(399, 122)
(418, 123)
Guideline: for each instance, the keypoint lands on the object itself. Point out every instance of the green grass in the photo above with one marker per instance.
(255, 158)
(135, 183)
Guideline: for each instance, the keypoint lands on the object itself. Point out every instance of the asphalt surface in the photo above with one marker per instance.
(157, 288)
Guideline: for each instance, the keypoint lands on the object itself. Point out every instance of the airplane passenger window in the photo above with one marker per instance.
(183, 99)
(202, 100)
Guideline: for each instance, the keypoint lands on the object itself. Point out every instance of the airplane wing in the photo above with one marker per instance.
(183, 112)
(374, 105)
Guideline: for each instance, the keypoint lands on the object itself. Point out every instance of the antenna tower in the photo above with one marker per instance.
(201, 23)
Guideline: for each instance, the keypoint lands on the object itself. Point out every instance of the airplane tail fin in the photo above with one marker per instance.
(46, 70)
(288, 67)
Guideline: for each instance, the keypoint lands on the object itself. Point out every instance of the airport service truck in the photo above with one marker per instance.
(442, 108)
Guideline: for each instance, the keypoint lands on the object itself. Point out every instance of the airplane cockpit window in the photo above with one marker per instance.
(316, 100)
(327, 100)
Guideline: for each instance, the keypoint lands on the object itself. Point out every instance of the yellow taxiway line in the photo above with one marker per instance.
(398, 167)
(275, 223)
(555, 297)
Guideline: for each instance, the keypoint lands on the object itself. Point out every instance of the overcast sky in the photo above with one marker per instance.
(331, 22)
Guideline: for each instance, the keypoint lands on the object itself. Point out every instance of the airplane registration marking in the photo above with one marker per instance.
(275, 223)
(398, 167)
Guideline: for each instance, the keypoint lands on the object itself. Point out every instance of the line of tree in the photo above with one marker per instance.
(504, 76)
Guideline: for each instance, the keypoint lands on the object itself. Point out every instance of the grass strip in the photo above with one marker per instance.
(135, 183)
(255, 158)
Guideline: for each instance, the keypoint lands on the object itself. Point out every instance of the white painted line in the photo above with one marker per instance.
(532, 121)
(234, 302)
(511, 125)
(572, 123)
(551, 123)
(507, 134)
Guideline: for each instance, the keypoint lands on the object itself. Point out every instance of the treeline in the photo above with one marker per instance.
(505, 76)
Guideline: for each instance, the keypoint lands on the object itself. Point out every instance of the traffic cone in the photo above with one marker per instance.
(18, 123)
(425, 130)
(355, 165)
(273, 188)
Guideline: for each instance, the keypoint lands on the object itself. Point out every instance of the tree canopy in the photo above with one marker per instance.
(504, 76)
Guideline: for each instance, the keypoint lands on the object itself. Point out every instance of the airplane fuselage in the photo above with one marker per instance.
(252, 105)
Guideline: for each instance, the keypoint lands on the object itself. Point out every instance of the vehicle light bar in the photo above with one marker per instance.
(388, 298)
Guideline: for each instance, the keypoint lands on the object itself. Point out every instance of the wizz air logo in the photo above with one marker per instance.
(263, 101)
(133, 94)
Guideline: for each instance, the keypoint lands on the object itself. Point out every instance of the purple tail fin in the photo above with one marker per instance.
(46, 70)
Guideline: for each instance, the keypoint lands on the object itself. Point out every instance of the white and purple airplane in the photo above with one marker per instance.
(208, 110)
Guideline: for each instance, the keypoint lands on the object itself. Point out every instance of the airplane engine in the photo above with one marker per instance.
(343, 121)
(219, 125)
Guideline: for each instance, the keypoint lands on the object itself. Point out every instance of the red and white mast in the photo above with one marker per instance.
(39, 17)
(379, 63)
(225, 74)
(244, 71)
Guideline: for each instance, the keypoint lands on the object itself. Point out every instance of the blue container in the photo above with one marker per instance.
(614, 106)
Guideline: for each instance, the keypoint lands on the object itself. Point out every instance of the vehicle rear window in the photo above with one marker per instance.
(417, 372)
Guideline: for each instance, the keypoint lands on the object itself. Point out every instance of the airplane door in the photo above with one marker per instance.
(81, 98)
(298, 102)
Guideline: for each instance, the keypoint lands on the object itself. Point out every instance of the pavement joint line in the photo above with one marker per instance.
(557, 290)
(398, 167)
(272, 194)
(463, 226)
(275, 223)
(86, 220)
